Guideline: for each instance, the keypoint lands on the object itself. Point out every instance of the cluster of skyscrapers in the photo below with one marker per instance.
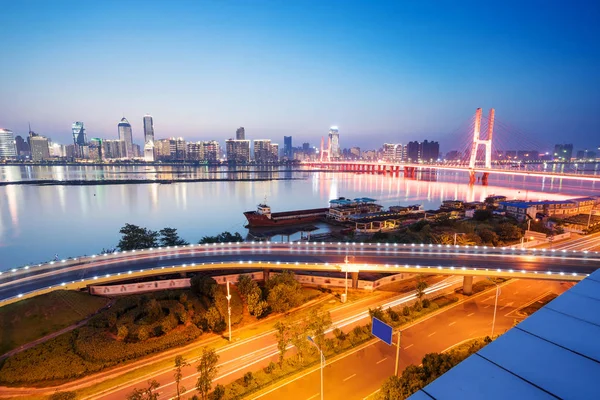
(241, 150)
(415, 152)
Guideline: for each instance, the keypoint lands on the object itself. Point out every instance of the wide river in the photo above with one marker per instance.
(38, 222)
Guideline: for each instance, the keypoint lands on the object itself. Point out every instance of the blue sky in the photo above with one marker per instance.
(381, 71)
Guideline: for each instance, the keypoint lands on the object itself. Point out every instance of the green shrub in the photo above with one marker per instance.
(406, 311)
(426, 303)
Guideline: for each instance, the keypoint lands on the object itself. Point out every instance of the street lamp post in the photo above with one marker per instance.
(346, 280)
(310, 339)
(229, 309)
(495, 306)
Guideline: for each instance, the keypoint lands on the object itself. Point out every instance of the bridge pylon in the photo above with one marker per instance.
(485, 142)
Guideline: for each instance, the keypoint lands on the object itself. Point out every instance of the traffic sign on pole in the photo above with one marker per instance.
(382, 330)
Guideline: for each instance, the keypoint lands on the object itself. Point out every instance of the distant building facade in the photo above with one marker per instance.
(212, 151)
(126, 135)
(40, 149)
(240, 133)
(8, 146)
(79, 136)
(563, 152)
(265, 152)
(238, 151)
(334, 137)
(149, 151)
(287, 147)
(22, 146)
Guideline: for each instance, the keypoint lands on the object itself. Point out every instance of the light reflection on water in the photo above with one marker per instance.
(37, 222)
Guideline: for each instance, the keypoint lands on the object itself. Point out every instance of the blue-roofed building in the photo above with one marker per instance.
(553, 354)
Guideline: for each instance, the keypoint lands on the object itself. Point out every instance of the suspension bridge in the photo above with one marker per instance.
(476, 158)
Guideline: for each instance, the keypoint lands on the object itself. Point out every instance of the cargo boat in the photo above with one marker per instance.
(263, 217)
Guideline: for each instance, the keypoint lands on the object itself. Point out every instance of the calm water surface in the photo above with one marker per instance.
(37, 222)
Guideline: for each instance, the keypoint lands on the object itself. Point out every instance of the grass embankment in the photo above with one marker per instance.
(31, 319)
(134, 327)
(341, 342)
(485, 284)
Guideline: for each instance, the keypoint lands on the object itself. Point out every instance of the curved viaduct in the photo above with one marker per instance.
(307, 256)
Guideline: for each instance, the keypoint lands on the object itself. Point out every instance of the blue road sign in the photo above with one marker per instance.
(381, 330)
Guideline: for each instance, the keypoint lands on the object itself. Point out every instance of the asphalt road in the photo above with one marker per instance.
(257, 351)
(21, 281)
(361, 373)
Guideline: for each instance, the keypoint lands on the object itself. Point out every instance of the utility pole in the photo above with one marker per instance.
(229, 309)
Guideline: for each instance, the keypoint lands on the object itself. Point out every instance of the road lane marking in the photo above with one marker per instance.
(527, 287)
(451, 323)
(431, 334)
(380, 361)
(489, 298)
(468, 315)
(487, 306)
(507, 305)
(350, 377)
(409, 346)
(314, 396)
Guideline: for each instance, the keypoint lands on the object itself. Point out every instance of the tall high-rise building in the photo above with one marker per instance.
(148, 128)
(563, 152)
(8, 146)
(413, 151)
(79, 137)
(212, 151)
(240, 133)
(149, 148)
(238, 151)
(22, 146)
(113, 149)
(126, 135)
(430, 151)
(274, 152)
(334, 137)
(195, 151)
(287, 147)
(40, 149)
(262, 151)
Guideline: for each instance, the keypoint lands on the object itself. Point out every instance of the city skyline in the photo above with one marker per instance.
(395, 71)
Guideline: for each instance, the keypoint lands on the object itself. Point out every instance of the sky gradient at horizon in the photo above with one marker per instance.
(382, 71)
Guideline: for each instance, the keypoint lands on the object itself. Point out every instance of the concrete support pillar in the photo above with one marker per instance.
(354, 279)
(484, 178)
(266, 272)
(467, 285)
(472, 177)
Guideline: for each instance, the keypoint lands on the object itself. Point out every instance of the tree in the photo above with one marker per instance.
(482, 215)
(224, 237)
(204, 286)
(180, 363)
(509, 232)
(340, 336)
(318, 323)
(218, 393)
(135, 237)
(122, 332)
(207, 371)
(143, 334)
(421, 286)
(148, 393)
(214, 320)
(245, 285)
(256, 305)
(488, 236)
(282, 334)
(170, 237)
(284, 297)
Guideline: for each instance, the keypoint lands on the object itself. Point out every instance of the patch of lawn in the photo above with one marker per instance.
(30, 319)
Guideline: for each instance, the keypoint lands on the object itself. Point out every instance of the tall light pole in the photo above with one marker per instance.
(310, 339)
(229, 309)
(495, 306)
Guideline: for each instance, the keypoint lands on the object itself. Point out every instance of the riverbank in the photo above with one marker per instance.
(82, 182)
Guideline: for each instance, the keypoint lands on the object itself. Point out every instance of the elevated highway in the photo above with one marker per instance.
(466, 261)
